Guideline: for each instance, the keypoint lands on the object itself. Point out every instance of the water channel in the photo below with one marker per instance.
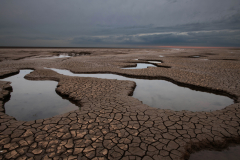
(37, 99)
(166, 95)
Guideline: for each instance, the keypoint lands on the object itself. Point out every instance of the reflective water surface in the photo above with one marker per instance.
(141, 66)
(63, 56)
(31, 100)
(59, 56)
(154, 62)
(67, 55)
(166, 95)
(232, 153)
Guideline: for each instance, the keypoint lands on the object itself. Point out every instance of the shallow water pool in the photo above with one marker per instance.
(31, 100)
(59, 56)
(154, 62)
(140, 66)
(166, 95)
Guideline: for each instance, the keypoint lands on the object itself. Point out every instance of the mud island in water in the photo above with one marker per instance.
(109, 122)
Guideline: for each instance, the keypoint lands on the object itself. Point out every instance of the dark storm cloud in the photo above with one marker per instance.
(197, 38)
(111, 22)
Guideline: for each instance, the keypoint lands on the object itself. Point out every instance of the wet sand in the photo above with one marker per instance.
(111, 124)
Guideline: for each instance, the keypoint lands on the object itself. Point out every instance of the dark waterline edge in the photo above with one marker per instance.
(10, 74)
(208, 146)
(155, 64)
(181, 84)
(78, 103)
(190, 86)
(191, 147)
(10, 89)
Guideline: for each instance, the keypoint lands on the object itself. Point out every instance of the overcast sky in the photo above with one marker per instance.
(120, 23)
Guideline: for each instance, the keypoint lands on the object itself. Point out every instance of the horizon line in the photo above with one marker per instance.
(147, 47)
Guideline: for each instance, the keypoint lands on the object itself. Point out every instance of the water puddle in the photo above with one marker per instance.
(32, 100)
(66, 55)
(154, 62)
(141, 66)
(63, 56)
(166, 95)
(74, 54)
(161, 56)
(59, 56)
(232, 153)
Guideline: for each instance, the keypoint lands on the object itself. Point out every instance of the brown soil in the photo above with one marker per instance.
(111, 124)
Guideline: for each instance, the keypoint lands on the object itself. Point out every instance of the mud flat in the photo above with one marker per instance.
(112, 124)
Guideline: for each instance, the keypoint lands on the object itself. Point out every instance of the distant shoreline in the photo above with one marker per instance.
(143, 47)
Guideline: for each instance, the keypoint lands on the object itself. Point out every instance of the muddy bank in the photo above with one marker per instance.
(114, 125)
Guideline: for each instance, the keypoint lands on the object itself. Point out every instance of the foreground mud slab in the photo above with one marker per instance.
(110, 123)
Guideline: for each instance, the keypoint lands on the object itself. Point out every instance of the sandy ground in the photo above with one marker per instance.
(111, 124)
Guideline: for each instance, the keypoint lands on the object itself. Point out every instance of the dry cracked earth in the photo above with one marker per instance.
(111, 124)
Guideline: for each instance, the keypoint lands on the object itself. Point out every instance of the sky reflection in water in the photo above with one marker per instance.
(140, 66)
(166, 95)
(31, 100)
(59, 56)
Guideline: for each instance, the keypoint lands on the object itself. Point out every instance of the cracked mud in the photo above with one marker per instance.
(113, 125)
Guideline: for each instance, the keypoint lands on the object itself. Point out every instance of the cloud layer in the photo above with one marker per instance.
(103, 23)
